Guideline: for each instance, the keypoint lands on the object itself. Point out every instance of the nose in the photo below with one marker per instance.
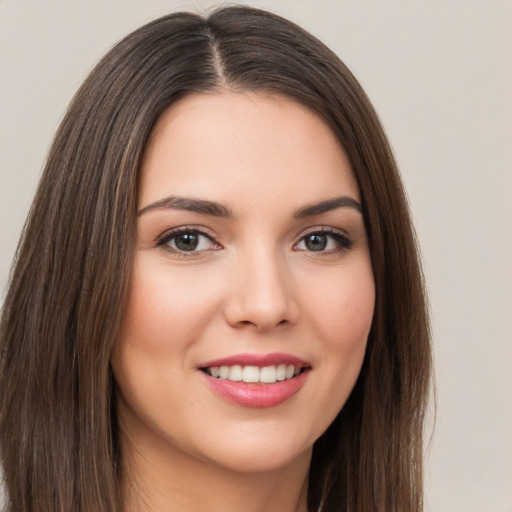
(261, 294)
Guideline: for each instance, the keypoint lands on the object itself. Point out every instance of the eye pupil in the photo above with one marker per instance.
(187, 241)
(316, 242)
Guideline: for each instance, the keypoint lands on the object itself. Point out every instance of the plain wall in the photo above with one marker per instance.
(440, 76)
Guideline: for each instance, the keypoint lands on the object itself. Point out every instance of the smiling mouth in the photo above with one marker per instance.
(254, 374)
(256, 380)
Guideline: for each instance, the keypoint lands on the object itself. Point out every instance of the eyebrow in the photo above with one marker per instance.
(329, 205)
(189, 204)
(218, 210)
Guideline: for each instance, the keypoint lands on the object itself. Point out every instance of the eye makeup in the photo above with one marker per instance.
(324, 240)
(187, 241)
(192, 242)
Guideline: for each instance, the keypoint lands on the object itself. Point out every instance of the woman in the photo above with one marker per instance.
(217, 300)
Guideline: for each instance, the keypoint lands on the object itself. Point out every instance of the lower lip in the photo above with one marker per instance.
(257, 395)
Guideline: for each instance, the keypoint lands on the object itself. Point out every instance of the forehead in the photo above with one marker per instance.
(241, 146)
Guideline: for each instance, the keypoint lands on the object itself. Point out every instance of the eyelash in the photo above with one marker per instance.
(166, 238)
(344, 243)
(341, 239)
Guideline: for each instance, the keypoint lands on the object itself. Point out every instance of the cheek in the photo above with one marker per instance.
(343, 311)
(339, 316)
(167, 308)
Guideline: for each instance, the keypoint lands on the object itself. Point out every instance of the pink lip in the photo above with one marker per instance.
(256, 395)
(260, 360)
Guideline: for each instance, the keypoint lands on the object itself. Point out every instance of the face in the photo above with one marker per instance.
(252, 293)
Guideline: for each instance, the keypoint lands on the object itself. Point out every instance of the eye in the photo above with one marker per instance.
(324, 241)
(187, 240)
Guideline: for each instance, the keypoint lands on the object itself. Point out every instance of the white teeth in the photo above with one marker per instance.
(268, 374)
(254, 374)
(251, 374)
(281, 372)
(235, 373)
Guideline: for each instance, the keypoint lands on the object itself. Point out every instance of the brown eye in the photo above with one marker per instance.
(316, 242)
(324, 241)
(186, 241)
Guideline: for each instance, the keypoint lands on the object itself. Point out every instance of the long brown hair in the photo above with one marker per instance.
(69, 284)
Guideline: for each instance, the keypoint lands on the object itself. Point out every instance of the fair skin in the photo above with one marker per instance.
(276, 272)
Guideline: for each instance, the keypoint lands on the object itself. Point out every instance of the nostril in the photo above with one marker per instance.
(259, 310)
(262, 324)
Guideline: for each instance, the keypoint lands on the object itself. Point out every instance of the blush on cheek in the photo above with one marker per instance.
(167, 308)
(352, 310)
(344, 328)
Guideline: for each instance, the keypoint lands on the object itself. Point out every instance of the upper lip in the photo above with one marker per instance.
(260, 360)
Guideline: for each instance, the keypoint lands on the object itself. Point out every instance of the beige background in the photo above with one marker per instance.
(440, 75)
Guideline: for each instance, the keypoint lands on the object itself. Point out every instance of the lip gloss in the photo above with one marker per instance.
(256, 395)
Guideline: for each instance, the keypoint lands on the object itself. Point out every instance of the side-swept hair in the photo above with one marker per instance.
(68, 289)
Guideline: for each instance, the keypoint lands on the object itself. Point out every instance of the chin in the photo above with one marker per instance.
(262, 460)
(257, 452)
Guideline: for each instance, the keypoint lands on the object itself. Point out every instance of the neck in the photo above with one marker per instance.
(159, 479)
